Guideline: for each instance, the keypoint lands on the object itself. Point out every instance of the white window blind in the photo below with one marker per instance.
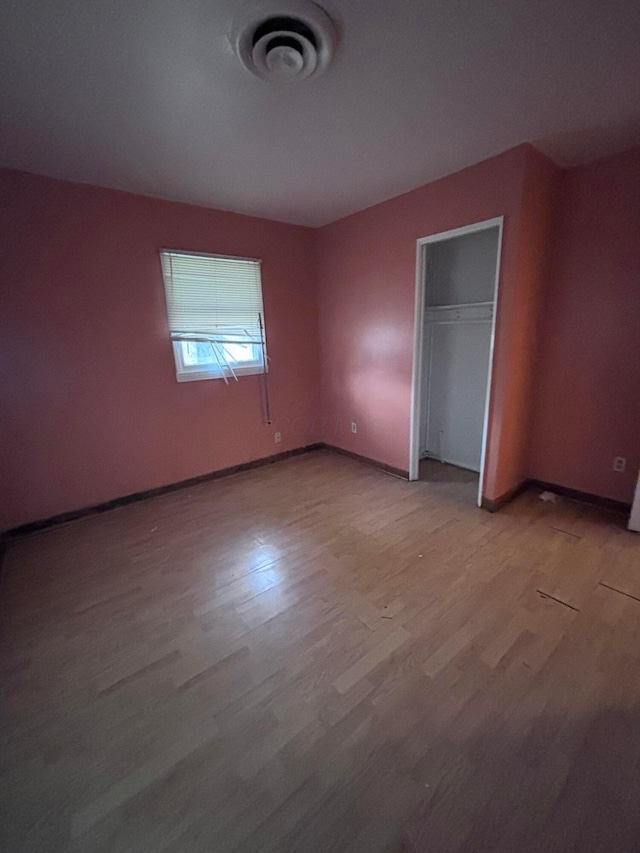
(215, 311)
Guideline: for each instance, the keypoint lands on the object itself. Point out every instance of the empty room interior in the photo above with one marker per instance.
(320, 426)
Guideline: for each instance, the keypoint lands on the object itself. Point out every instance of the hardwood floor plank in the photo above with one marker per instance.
(316, 656)
(361, 668)
(142, 777)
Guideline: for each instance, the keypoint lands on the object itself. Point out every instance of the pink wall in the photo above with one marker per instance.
(89, 405)
(588, 390)
(90, 409)
(516, 346)
(366, 266)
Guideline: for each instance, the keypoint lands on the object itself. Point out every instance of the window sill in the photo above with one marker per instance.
(198, 375)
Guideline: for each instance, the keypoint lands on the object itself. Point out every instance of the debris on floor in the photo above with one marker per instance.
(551, 497)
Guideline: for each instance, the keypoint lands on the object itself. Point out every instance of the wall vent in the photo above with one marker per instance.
(284, 41)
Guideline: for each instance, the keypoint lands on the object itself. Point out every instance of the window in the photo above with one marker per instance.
(214, 305)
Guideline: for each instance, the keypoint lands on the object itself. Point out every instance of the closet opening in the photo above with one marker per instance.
(457, 274)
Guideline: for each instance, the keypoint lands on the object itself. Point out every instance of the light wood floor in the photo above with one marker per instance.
(316, 656)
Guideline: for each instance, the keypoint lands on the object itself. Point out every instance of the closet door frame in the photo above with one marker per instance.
(419, 367)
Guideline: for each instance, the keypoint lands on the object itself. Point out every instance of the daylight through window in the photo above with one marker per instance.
(216, 316)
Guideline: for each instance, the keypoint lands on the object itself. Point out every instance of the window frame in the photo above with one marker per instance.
(194, 373)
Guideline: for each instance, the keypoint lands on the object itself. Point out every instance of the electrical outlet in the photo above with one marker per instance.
(278, 437)
(354, 427)
(619, 464)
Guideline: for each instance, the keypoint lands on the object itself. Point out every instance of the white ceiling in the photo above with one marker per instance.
(147, 96)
